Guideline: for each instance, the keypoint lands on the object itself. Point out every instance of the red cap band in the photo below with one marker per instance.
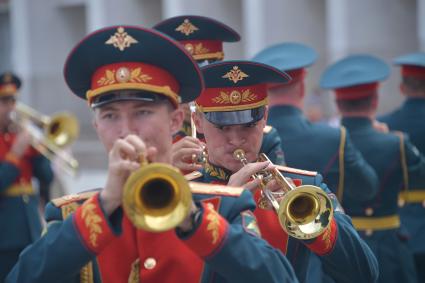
(232, 98)
(413, 71)
(132, 75)
(204, 49)
(356, 92)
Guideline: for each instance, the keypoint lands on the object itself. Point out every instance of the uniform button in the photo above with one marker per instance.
(369, 211)
(401, 202)
(369, 232)
(26, 198)
(150, 263)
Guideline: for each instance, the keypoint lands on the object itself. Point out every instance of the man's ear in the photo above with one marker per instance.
(94, 121)
(199, 121)
(176, 121)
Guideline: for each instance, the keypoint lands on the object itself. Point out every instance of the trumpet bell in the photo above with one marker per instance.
(62, 129)
(157, 197)
(305, 212)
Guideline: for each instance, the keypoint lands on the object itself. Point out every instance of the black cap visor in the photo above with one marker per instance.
(110, 97)
(228, 118)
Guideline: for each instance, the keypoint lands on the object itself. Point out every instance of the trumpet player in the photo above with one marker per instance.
(232, 113)
(19, 163)
(134, 78)
(203, 38)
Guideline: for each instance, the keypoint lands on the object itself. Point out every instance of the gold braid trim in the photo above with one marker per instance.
(86, 273)
(340, 190)
(134, 273)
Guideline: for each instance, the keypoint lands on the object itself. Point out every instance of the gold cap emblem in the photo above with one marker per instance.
(186, 27)
(235, 75)
(235, 97)
(121, 39)
(123, 75)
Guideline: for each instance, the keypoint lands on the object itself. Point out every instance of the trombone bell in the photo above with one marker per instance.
(157, 197)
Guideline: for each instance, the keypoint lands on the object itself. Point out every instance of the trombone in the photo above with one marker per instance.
(50, 134)
(156, 197)
(304, 212)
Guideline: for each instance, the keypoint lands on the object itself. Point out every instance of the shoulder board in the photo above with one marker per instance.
(193, 175)
(212, 189)
(295, 171)
(59, 202)
(267, 129)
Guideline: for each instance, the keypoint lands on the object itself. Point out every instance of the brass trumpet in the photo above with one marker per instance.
(49, 134)
(157, 197)
(304, 212)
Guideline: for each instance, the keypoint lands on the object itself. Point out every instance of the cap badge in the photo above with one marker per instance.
(186, 27)
(235, 97)
(123, 75)
(197, 49)
(235, 75)
(121, 39)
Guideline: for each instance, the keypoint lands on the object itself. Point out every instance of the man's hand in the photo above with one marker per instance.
(242, 178)
(183, 152)
(124, 158)
(380, 127)
(21, 144)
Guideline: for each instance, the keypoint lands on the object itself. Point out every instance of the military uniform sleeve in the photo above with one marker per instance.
(415, 162)
(233, 250)
(43, 172)
(67, 245)
(344, 255)
(9, 171)
(360, 179)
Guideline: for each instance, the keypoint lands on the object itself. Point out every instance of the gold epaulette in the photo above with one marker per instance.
(267, 129)
(295, 171)
(193, 175)
(59, 202)
(213, 189)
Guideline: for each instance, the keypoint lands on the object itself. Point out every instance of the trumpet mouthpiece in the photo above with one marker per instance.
(239, 154)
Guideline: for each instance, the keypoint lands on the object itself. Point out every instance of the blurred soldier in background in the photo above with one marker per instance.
(315, 147)
(19, 163)
(355, 80)
(410, 118)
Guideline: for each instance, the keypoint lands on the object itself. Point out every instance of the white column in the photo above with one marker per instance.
(21, 44)
(253, 21)
(95, 15)
(421, 23)
(171, 8)
(336, 29)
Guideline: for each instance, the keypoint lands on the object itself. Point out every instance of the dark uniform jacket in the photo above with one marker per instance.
(377, 219)
(318, 147)
(344, 255)
(83, 245)
(19, 201)
(410, 119)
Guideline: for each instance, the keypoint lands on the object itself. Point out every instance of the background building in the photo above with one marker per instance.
(36, 36)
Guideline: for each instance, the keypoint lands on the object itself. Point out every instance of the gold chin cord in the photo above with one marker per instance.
(156, 197)
(304, 212)
(49, 134)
